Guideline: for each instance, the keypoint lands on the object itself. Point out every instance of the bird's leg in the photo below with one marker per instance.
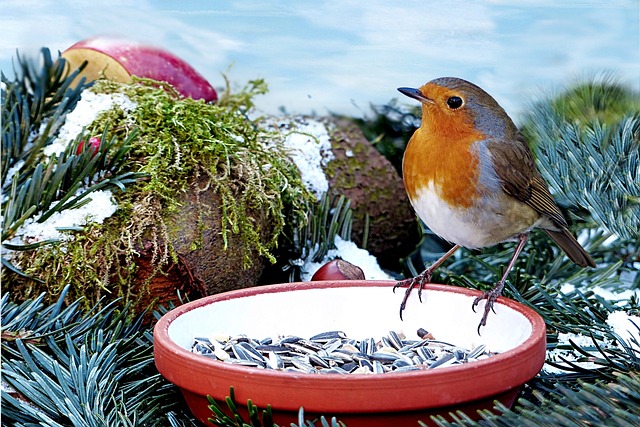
(492, 295)
(421, 279)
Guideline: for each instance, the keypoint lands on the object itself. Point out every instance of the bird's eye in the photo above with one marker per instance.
(455, 102)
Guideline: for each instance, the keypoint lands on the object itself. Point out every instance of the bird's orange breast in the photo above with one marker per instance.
(444, 158)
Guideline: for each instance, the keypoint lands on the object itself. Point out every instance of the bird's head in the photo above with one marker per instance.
(455, 106)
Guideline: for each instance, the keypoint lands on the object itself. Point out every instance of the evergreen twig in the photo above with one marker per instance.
(588, 147)
(34, 105)
(598, 404)
(40, 95)
(69, 367)
(257, 418)
(329, 218)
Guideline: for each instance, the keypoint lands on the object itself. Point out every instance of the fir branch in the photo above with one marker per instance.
(589, 152)
(257, 417)
(41, 92)
(42, 186)
(328, 218)
(70, 367)
(65, 182)
(603, 403)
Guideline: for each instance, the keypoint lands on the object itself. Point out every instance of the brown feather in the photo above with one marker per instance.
(525, 184)
(571, 247)
(513, 163)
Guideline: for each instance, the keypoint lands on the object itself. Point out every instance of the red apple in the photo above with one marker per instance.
(94, 144)
(119, 59)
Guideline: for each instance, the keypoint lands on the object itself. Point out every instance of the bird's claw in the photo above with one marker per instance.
(420, 280)
(491, 297)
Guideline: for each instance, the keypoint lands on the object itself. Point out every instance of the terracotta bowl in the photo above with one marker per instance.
(361, 309)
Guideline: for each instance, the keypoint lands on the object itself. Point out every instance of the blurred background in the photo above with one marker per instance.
(341, 56)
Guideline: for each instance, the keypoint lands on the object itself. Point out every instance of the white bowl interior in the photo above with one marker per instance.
(361, 312)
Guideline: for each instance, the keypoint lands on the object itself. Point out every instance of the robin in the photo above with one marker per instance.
(471, 178)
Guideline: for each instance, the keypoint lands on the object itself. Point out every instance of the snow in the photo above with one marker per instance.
(613, 297)
(347, 251)
(309, 147)
(11, 172)
(622, 324)
(626, 327)
(556, 355)
(579, 340)
(86, 112)
(101, 206)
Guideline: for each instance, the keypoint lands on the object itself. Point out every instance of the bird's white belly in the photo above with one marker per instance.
(461, 226)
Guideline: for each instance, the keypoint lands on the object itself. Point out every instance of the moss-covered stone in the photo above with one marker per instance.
(377, 195)
(210, 209)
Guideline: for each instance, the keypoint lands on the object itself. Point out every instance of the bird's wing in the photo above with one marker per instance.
(515, 167)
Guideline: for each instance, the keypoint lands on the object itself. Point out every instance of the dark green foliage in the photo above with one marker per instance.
(51, 186)
(73, 367)
(37, 93)
(221, 419)
(41, 186)
(594, 404)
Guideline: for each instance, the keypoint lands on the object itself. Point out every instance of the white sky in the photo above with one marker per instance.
(341, 55)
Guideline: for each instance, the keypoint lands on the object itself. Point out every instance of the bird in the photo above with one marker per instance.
(471, 178)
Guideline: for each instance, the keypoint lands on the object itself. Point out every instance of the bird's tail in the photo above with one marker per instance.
(571, 247)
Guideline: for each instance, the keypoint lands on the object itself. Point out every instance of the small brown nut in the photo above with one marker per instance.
(338, 269)
(425, 335)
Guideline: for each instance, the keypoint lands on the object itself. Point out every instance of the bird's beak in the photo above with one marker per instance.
(415, 94)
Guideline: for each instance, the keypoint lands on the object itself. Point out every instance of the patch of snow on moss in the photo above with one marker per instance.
(101, 206)
(86, 112)
(309, 147)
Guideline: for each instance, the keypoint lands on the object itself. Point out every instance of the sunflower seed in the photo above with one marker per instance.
(303, 365)
(328, 336)
(334, 352)
(289, 340)
(394, 340)
(275, 361)
(442, 360)
(272, 349)
(460, 354)
(473, 354)
(317, 360)
(378, 368)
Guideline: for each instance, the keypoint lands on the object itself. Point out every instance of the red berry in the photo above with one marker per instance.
(94, 143)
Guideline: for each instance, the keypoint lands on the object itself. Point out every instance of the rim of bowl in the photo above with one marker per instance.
(534, 347)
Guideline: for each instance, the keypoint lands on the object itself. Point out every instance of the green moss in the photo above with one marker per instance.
(182, 138)
(178, 140)
(342, 169)
(87, 263)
